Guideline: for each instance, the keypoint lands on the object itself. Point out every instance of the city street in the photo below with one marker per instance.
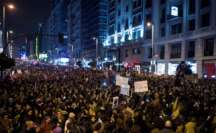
(108, 66)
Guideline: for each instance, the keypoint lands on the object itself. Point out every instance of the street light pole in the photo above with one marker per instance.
(3, 30)
(153, 51)
(149, 24)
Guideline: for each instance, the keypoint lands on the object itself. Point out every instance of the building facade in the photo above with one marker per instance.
(183, 30)
(87, 19)
(55, 26)
(74, 28)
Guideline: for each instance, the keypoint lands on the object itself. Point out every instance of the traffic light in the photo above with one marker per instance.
(60, 37)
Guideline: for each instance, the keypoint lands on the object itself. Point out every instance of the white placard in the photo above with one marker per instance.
(19, 71)
(174, 11)
(125, 90)
(141, 86)
(121, 80)
(138, 69)
(115, 102)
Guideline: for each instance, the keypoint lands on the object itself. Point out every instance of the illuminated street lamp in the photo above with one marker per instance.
(11, 31)
(11, 6)
(4, 35)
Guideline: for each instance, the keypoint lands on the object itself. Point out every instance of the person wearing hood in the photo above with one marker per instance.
(190, 127)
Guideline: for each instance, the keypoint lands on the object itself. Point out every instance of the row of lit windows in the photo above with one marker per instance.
(163, 15)
(174, 29)
(176, 49)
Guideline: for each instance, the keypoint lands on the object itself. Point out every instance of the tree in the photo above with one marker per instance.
(5, 63)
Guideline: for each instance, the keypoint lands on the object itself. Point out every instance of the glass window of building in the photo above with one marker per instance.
(111, 17)
(111, 30)
(175, 51)
(162, 32)
(209, 47)
(163, 15)
(148, 3)
(119, 38)
(126, 36)
(126, 24)
(162, 1)
(204, 3)
(192, 6)
(176, 29)
(150, 52)
(136, 51)
(134, 35)
(148, 18)
(138, 34)
(148, 34)
(162, 51)
(191, 25)
(119, 12)
(126, 53)
(119, 28)
(111, 6)
(137, 20)
(136, 4)
(191, 49)
(112, 40)
(127, 8)
(205, 20)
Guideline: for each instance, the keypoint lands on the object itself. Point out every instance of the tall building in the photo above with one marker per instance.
(183, 30)
(87, 19)
(74, 28)
(53, 28)
(1, 44)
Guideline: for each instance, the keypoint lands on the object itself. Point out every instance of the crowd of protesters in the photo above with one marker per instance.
(66, 100)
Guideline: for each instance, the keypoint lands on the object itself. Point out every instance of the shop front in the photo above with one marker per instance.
(209, 68)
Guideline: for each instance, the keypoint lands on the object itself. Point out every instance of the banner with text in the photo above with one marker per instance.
(115, 102)
(125, 90)
(141, 86)
(121, 80)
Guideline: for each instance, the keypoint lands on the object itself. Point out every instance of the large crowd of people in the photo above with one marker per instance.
(66, 100)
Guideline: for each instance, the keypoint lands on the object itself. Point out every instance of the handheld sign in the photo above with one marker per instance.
(125, 90)
(141, 86)
(121, 80)
(115, 102)
(19, 71)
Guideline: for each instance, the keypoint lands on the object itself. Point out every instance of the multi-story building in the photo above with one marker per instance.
(87, 19)
(1, 44)
(183, 30)
(74, 28)
(55, 26)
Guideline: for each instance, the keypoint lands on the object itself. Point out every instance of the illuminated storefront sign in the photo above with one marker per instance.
(43, 56)
(160, 68)
(172, 68)
(124, 35)
(174, 11)
(193, 66)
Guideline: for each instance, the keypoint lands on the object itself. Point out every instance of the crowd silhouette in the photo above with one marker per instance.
(66, 100)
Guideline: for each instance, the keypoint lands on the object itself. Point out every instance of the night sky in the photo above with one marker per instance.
(28, 13)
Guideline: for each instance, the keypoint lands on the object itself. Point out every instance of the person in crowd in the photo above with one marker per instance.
(49, 99)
